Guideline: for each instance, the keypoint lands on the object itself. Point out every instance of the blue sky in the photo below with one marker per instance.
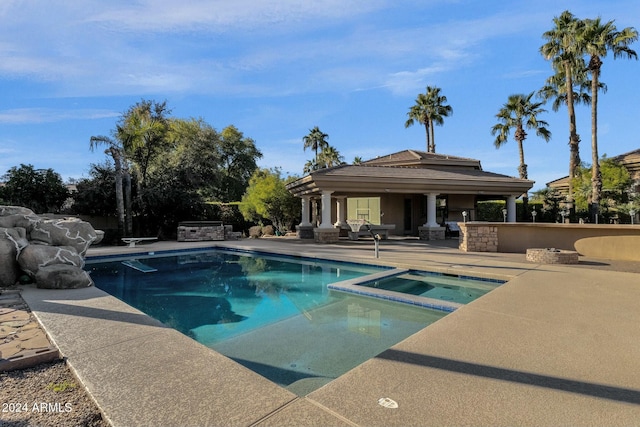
(277, 68)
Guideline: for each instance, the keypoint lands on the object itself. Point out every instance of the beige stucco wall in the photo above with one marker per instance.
(599, 241)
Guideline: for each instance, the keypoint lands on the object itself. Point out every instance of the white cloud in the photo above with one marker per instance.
(223, 15)
(46, 115)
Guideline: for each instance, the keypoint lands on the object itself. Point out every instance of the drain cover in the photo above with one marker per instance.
(387, 403)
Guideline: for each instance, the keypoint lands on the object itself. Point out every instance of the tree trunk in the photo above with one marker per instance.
(596, 178)
(128, 227)
(520, 136)
(433, 138)
(574, 139)
(117, 159)
(426, 131)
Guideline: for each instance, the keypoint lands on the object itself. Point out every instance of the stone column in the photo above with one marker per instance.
(326, 232)
(305, 228)
(511, 208)
(306, 203)
(431, 210)
(326, 210)
(431, 230)
(341, 208)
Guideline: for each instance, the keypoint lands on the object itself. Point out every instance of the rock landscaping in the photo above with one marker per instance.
(49, 252)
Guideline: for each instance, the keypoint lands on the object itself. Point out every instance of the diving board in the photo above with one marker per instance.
(131, 241)
(137, 265)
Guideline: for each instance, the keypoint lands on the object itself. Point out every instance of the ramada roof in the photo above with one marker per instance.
(414, 158)
(419, 172)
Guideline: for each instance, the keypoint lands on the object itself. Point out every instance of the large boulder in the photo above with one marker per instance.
(34, 257)
(12, 241)
(49, 251)
(65, 232)
(9, 270)
(62, 276)
(20, 220)
(13, 210)
(17, 236)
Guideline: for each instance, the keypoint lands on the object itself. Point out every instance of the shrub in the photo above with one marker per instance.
(268, 230)
(255, 232)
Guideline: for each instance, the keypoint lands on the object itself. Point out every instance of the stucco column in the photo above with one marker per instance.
(306, 202)
(511, 208)
(341, 210)
(326, 210)
(431, 210)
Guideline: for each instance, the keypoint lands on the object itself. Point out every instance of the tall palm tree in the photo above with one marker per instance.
(315, 140)
(115, 150)
(596, 40)
(429, 109)
(562, 49)
(518, 113)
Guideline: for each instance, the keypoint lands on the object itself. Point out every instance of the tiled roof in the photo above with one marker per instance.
(415, 157)
(408, 172)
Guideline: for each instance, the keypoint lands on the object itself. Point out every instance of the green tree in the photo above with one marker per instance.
(267, 198)
(316, 140)
(429, 109)
(562, 49)
(596, 39)
(238, 155)
(95, 195)
(143, 131)
(616, 186)
(40, 190)
(219, 165)
(551, 200)
(518, 113)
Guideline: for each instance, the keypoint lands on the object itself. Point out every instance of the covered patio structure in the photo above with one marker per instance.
(414, 193)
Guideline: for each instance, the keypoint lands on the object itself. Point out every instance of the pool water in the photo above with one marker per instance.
(444, 287)
(274, 315)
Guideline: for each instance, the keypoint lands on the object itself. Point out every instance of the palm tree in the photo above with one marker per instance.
(561, 48)
(115, 150)
(597, 39)
(519, 113)
(428, 110)
(315, 140)
(143, 131)
(330, 157)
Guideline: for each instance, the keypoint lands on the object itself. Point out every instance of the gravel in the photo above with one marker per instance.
(46, 395)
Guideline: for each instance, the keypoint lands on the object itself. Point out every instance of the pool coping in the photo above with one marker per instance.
(528, 348)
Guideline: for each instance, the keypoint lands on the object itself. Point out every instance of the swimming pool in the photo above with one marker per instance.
(275, 315)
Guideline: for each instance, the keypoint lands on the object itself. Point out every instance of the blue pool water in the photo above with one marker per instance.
(274, 315)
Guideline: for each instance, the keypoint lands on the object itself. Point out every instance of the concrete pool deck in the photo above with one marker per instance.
(556, 345)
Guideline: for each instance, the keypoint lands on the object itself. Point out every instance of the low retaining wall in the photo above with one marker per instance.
(608, 241)
(198, 231)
